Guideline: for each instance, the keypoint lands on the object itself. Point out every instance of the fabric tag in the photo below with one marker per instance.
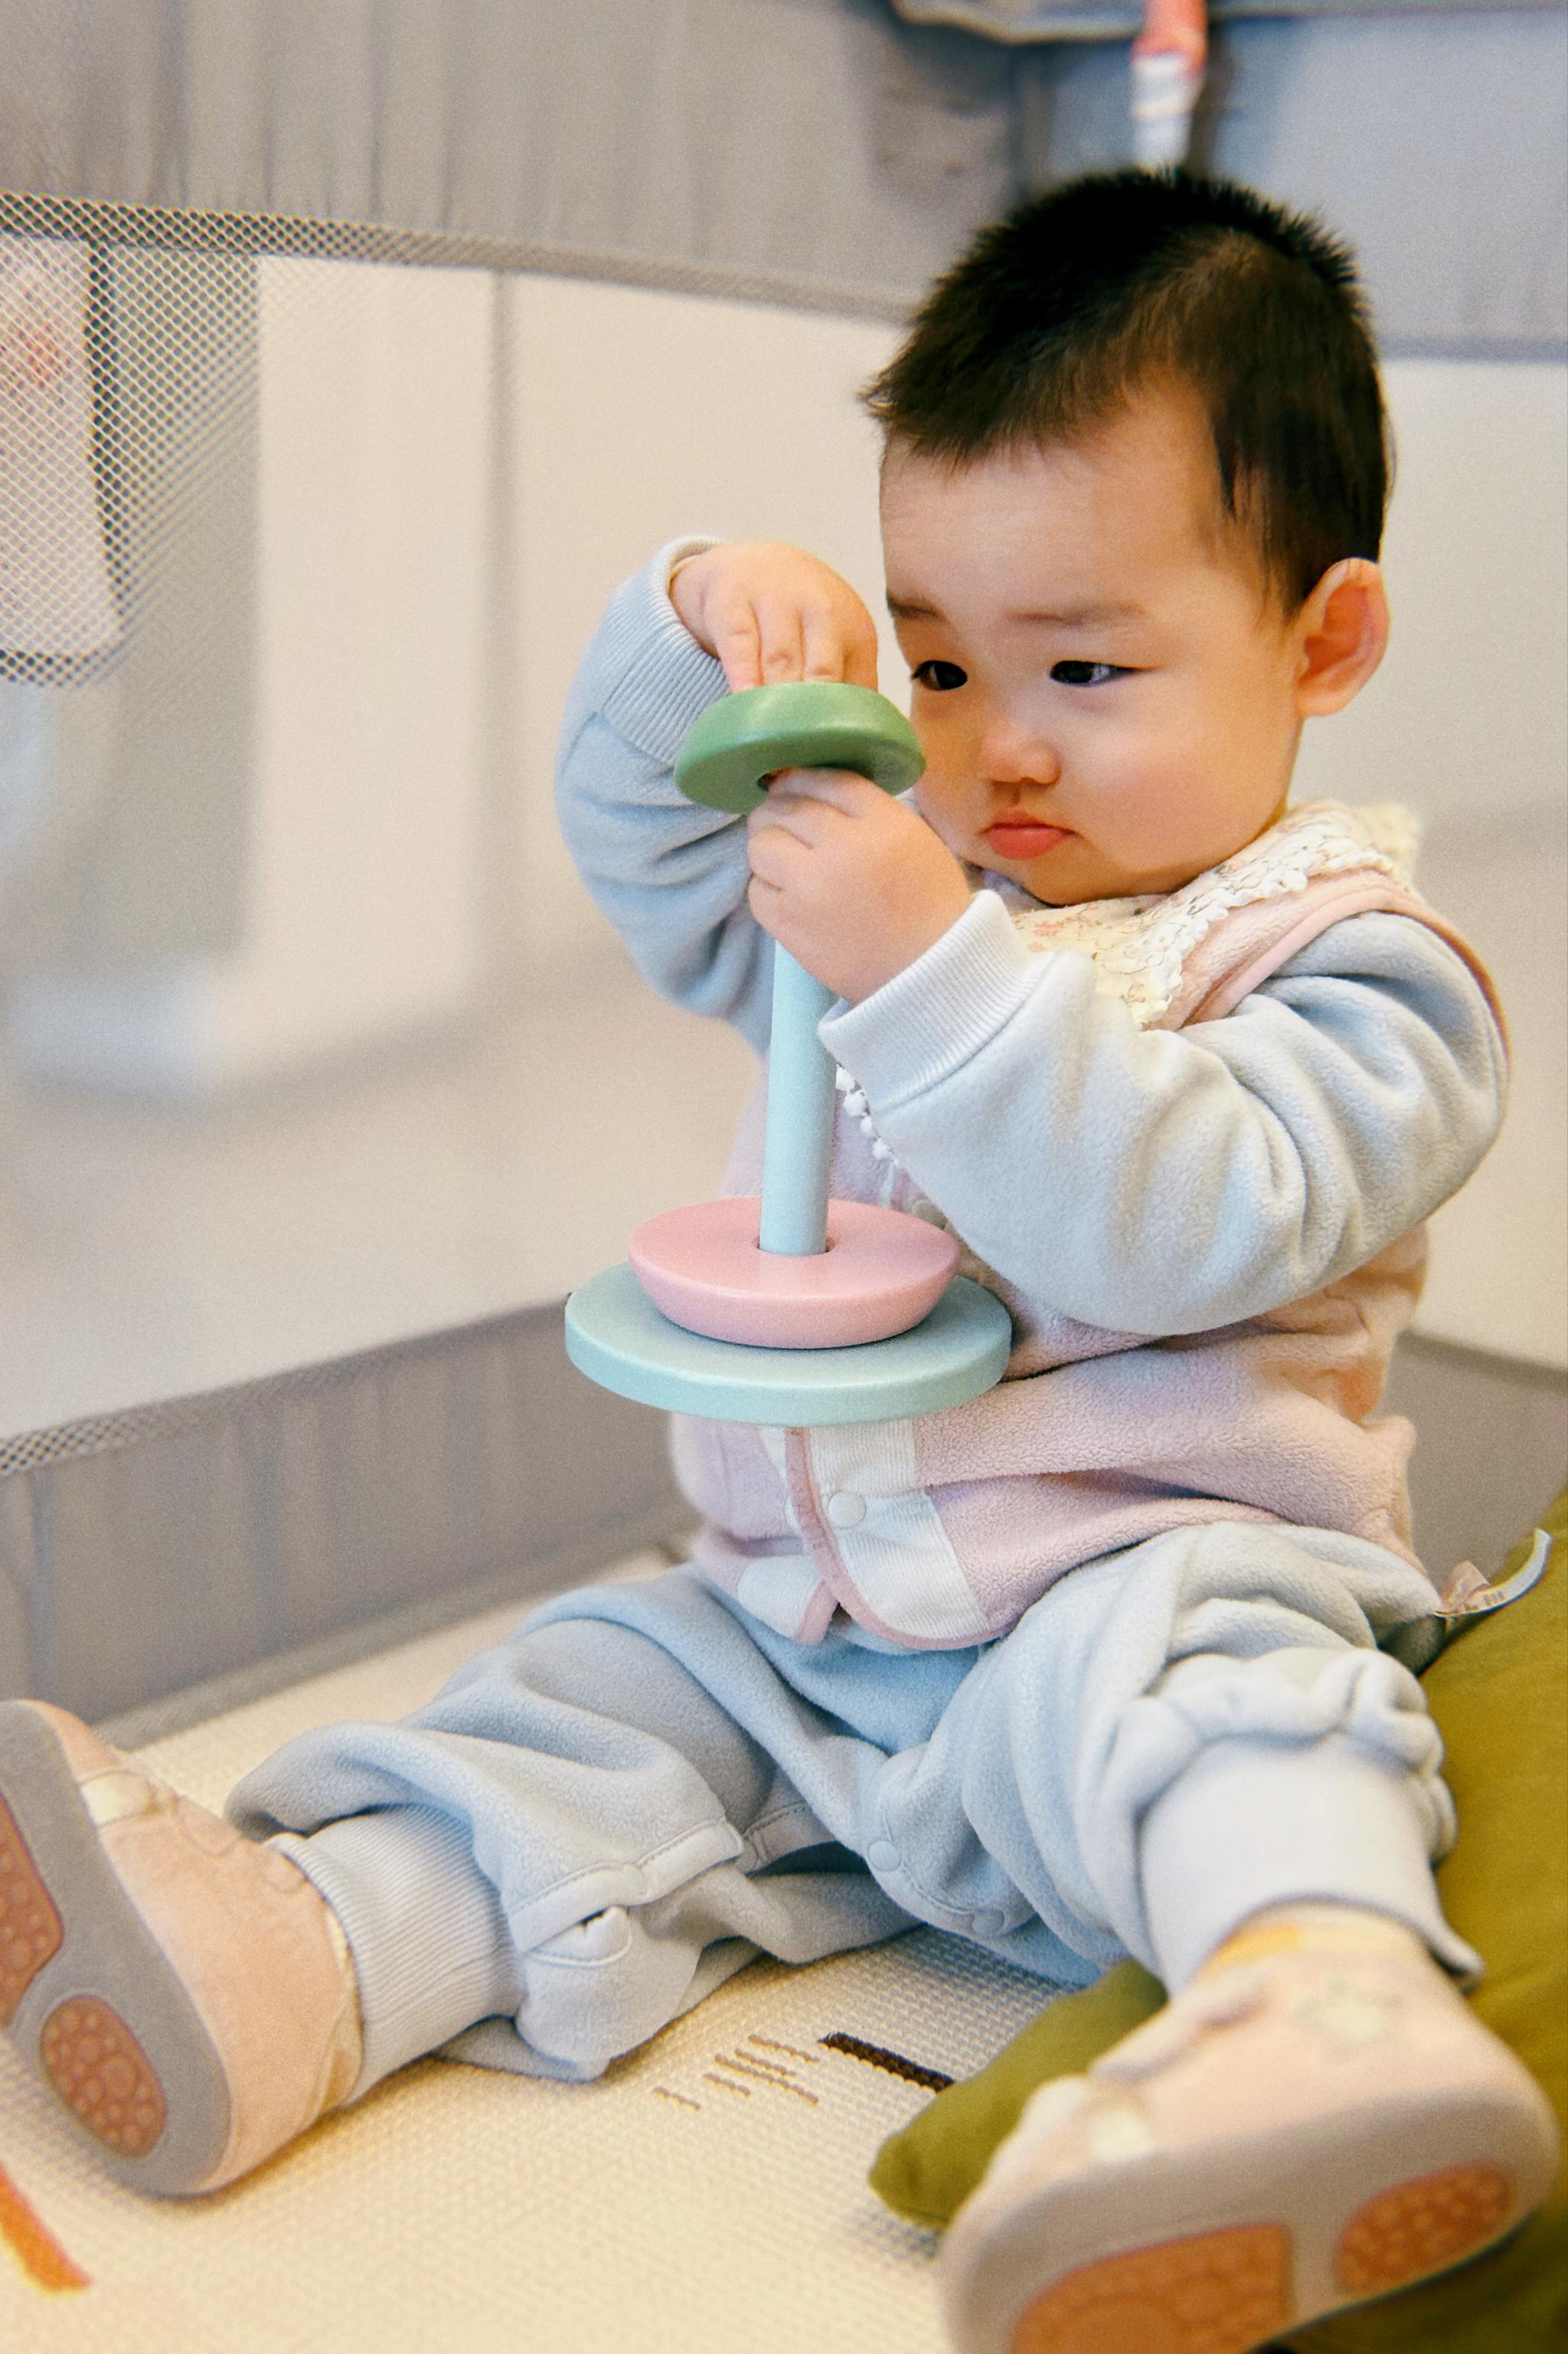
(1468, 1594)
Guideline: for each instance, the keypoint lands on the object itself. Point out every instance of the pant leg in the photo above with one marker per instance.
(587, 1829)
(591, 1825)
(1182, 1733)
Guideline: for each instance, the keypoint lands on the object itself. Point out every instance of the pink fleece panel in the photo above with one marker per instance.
(1012, 1549)
(723, 1468)
(1239, 955)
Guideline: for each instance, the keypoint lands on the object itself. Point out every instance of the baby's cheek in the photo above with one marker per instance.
(1197, 817)
(1166, 797)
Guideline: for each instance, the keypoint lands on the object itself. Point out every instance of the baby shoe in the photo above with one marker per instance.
(1317, 2119)
(184, 1994)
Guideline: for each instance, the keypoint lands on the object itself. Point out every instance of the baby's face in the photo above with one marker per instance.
(1105, 694)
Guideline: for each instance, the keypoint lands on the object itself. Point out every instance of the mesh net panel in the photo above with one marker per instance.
(129, 401)
(128, 375)
(131, 394)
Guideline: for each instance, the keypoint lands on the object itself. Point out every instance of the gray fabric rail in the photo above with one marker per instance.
(817, 150)
(145, 1552)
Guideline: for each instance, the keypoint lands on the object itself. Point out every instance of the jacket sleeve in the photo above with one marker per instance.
(1164, 1182)
(670, 876)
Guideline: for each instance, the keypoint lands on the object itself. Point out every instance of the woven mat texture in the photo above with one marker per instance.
(708, 2193)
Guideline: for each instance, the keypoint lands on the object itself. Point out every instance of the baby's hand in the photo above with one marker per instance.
(770, 613)
(853, 883)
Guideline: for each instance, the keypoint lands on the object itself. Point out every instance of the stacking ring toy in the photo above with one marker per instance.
(738, 744)
(787, 1307)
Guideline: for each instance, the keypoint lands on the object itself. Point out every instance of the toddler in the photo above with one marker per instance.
(1115, 1659)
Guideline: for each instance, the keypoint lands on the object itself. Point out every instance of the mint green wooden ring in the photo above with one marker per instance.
(619, 1339)
(808, 724)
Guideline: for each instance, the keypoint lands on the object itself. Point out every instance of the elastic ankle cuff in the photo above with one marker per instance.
(1252, 1824)
(424, 1926)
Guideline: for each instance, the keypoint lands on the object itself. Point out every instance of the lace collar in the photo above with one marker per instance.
(1138, 946)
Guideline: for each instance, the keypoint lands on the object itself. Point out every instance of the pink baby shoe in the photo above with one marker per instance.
(184, 1994)
(1317, 2119)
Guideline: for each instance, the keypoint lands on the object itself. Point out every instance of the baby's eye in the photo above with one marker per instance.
(1086, 674)
(942, 677)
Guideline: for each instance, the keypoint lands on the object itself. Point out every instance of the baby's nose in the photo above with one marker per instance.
(1011, 757)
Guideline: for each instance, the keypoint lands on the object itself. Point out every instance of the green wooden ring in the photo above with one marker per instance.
(808, 724)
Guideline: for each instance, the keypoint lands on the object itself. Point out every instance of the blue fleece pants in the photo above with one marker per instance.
(599, 1820)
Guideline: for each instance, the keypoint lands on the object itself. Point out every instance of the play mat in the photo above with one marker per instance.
(708, 2193)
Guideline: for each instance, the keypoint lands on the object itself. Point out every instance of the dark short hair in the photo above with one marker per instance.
(1084, 297)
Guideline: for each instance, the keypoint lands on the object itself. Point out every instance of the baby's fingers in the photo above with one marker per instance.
(813, 790)
(773, 642)
(772, 614)
(839, 645)
(759, 642)
(780, 630)
(737, 642)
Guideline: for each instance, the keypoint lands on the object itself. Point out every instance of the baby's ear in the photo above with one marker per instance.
(1342, 631)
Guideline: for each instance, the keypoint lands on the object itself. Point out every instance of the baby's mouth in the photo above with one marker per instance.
(1018, 835)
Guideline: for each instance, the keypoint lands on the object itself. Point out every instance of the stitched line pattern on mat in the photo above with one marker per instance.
(760, 2070)
(764, 2076)
(771, 2043)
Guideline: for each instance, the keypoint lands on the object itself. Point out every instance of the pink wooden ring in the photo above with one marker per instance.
(881, 1272)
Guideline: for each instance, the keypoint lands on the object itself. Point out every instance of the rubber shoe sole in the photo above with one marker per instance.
(1227, 2292)
(1216, 2293)
(87, 1995)
(1012, 2286)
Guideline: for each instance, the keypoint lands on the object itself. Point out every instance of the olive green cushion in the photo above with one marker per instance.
(1499, 1693)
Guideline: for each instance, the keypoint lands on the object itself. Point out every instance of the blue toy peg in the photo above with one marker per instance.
(791, 1308)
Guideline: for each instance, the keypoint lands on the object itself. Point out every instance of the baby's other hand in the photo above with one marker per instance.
(771, 613)
(854, 884)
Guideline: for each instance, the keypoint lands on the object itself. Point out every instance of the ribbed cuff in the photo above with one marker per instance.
(1255, 1823)
(663, 680)
(425, 1928)
(928, 1021)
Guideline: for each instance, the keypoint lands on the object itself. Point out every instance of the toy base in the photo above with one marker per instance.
(881, 1273)
(619, 1339)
